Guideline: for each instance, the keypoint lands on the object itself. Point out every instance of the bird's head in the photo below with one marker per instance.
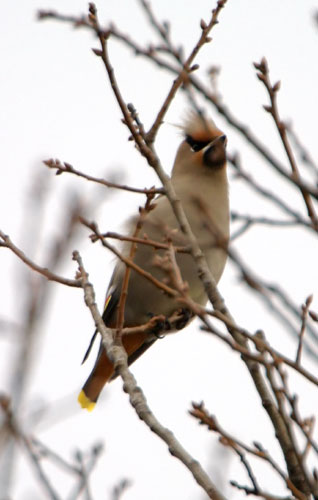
(203, 147)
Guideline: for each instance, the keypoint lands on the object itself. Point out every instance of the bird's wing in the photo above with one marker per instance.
(110, 305)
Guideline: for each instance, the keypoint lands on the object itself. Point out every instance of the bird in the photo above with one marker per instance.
(199, 178)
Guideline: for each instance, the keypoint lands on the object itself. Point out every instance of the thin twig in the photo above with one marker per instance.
(133, 247)
(260, 342)
(303, 152)
(269, 195)
(266, 221)
(296, 492)
(44, 451)
(85, 471)
(183, 75)
(68, 168)
(163, 29)
(305, 425)
(287, 302)
(304, 316)
(159, 284)
(261, 494)
(44, 480)
(7, 243)
(250, 473)
(120, 488)
(263, 75)
(12, 426)
(200, 413)
(271, 372)
(143, 241)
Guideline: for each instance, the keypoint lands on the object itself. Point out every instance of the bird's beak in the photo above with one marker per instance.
(219, 140)
(214, 152)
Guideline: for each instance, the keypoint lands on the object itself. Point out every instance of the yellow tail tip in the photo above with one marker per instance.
(85, 402)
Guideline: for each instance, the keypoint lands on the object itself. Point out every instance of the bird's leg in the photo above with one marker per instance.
(176, 322)
(184, 317)
(161, 324)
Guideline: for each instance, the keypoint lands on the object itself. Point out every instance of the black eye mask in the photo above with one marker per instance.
(194, 144)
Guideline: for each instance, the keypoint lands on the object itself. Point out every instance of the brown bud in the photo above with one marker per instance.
(269, 109)
(264, 62)
(262, 66)
(309, 300)
(313, 315)
(97, 52)
(261, 77)
(48, 163)
(92, 8)
(194, 67)
(276, 86)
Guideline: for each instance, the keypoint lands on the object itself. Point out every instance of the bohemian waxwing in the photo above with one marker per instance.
(198, 175)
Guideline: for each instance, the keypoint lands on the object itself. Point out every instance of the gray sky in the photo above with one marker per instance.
(56, 102)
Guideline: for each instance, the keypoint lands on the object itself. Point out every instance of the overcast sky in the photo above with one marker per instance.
(56, 102)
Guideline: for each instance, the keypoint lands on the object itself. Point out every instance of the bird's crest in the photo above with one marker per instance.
(198, 126)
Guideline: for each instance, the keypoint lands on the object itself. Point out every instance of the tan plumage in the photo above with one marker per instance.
(198, 175)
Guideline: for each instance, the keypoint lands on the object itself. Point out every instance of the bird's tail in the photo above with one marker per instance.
(104, 370)
(93, 386)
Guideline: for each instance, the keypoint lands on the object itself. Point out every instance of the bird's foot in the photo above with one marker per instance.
(161, 324)
(184, 316)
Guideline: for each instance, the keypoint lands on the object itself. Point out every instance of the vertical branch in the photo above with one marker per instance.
(304, 315)
(263, 76)
(187, 68)
(124, 290)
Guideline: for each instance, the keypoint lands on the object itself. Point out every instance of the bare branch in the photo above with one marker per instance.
(269, 195)
(143, 241)
(266, 221)
(304, 315)
(201, 414)
(183, 75)
(124, 290)
(13, 428)
(66, 167)
(7, 243)
(130, 263)
(302, 151)
(84, 472)
(120, 488)
(263, 75)
(44, 480)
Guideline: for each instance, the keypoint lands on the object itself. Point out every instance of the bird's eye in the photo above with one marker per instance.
(194, 144)
(223, 138)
